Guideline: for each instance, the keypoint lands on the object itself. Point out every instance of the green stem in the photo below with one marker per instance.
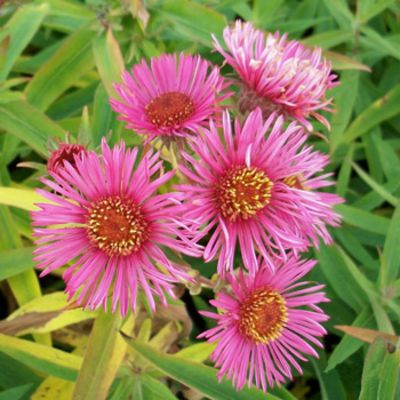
(104, 354)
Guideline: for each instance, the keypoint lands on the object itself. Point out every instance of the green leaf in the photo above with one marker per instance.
(103, 356)
(367, 10)
(195, 375)
(20, 28)
(157, 391)
(380, 373)
(329, 39)
(62, 70)
(379, 43)
(16, 393)
(109, 61)
(363, 219)
(382, 109)
(29, 124)
(67, 16)
(54, 388)
(340, 11)
(329, 382)
(21, 198)
(391, 254)
(340, 278)
(349, 345)
(341, 62)
(41, 358)
(13, 262)
(344, 99)
(13, 373)
(198, 352)
(376, 186)
(194, 20)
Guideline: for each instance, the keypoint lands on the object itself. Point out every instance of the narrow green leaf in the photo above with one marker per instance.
(340, 11)
(21, 198)
(24, 286)
(329, 382)
(194, 20)
(380, 372)
(363, 219)
(368, 10)
(109, 61)
(104, 354)
(376, 186)
(345, 173)
(20, 28)
(13, 373)
(329, 39)
(391, 253)
(17, 393)
(382, 109)
(13, 262)
(344, 99)
(379, 43)
(197, 352)
(62, 70)
(29, 124)
(67, 16)
(41, 358)
(342, 62)
(349, 345)
(157, 390)
(195, 375)
(340, 278)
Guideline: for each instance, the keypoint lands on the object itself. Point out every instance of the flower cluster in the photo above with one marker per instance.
(248, 191)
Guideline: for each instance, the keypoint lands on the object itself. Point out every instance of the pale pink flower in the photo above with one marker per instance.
(256, 187)
(172, 97)
(265, 324)
(105, 219)
(277, 74)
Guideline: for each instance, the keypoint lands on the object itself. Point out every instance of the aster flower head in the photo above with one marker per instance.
(106, 220)
(277, 74)
(171, 97)
(65, 153)
(256, 191)
(266, 324)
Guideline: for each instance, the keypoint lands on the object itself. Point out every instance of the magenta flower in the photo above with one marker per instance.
(65, 152)
(257, 191)
(266, 323)
(277, 74)
(107, 222)
(172, 97)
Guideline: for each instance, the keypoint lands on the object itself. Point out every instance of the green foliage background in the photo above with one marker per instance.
(57, 61)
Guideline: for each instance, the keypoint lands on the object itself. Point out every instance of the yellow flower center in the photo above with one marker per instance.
(295, 181)
(242, 192)
(262, 316)
(117, 226)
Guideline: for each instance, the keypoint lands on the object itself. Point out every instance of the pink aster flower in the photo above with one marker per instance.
(105, 219)
(255, 191)
(266, 323)
(65, 153)
(277, 74)
(172, 97)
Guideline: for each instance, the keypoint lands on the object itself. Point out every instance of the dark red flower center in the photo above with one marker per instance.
(169, 109)
(117, 226)
(65, 153)
(242, 192)
(262, 316)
